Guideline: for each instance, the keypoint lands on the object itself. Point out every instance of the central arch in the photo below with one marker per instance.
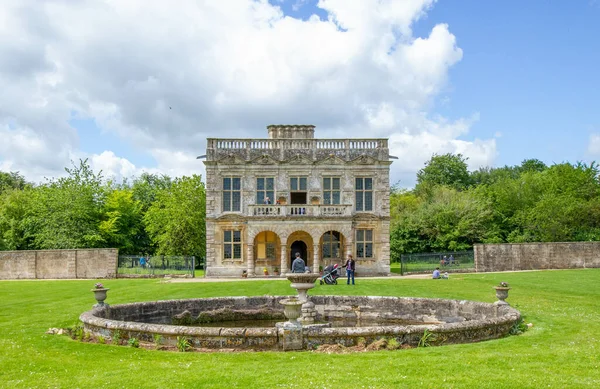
(302, 242)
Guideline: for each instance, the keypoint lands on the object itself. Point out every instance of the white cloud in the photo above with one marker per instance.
(165, 78)
(594, 145)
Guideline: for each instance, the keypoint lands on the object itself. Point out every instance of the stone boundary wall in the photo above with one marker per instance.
(536, 256)
(56, 264)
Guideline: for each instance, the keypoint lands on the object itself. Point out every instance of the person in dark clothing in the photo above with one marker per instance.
(298, 264)
(350, 268)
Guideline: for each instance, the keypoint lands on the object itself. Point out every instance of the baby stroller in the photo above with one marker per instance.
(330, 275)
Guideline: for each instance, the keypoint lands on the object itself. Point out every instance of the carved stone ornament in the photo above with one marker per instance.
(264, 159)
(364, 160)
(299, 160)
(332, 160)
(231, 158)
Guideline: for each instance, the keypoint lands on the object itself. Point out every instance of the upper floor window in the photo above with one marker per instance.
(298, 188)
(364, 243)
(265, 190)
(363, 194)
(232, 244)
(298, 183)
(232, 194)
(331, 190)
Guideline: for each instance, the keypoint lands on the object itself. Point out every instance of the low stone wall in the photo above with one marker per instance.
(451, 321)
(536, 256)
(43, 264)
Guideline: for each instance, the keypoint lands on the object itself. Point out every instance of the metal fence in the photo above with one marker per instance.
(460, 261)
(158, 265)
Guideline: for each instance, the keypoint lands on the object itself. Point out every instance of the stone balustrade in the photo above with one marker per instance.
(284, 149)
(300, 210)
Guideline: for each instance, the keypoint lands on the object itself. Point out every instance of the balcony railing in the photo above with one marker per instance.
(307, 144)
(300, 210)
(286, 149)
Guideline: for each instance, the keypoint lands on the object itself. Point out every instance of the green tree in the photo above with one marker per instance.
(14, 208)
(12, 180)
(66, 213)
(176, 219)
(122, 221)
(447, 170)
(145, 190)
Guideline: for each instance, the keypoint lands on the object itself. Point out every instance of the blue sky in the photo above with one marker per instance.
(531, 69)
(139, 87)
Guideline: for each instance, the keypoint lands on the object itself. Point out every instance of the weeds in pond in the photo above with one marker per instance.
(133, 342)
(183, 344)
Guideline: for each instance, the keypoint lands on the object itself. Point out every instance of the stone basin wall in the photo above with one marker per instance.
(456, 321)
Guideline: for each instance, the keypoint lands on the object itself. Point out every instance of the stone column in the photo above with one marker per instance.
(284, 261)
(250, 259)
(316, 262)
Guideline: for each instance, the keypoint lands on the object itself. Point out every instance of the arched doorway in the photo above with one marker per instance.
(298, 246)
(300, 242)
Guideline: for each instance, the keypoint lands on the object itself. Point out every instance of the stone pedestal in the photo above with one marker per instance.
(290, 335)
(302, 282)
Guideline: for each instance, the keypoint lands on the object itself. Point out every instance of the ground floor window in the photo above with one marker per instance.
(364, 243)
(232, 244)
(331, 244)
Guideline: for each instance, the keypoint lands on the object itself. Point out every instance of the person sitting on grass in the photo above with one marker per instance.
(436, 273)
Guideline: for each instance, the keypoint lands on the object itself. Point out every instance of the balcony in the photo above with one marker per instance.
(300, 210)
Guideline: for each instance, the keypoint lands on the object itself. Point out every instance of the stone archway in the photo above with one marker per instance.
(332, 246)
(301, 240)
(266, 252)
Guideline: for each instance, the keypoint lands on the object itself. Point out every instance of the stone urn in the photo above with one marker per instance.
(501, 294)
(302, 282)
(100, 296)
(292, 309)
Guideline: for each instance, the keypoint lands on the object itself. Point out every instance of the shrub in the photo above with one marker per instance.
(393, 344)
(116, 337)
(158, 339)
(426, 339)
(183, 344)
(133, 342)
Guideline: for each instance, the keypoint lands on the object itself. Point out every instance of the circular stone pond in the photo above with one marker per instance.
(248, 322)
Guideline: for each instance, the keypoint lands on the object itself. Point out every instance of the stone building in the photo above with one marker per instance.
(267, 199)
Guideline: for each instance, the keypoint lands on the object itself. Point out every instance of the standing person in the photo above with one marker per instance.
(350, 268)
(142, 262)
(298, 264)
(267, 200)
(451, 259)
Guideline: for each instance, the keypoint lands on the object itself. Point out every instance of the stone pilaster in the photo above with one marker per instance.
(316, 262)
(284, 261)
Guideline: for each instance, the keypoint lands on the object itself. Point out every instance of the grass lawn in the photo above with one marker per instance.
(562, 350)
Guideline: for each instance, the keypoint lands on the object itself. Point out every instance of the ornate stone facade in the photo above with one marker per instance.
(269, 198)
